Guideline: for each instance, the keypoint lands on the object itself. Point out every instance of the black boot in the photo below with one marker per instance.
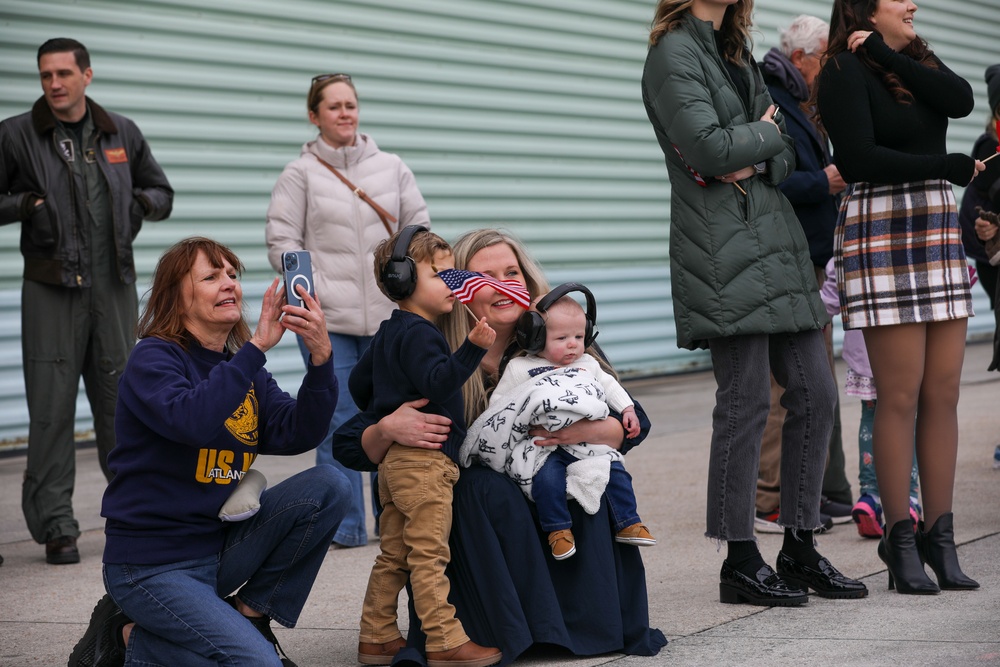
(938, 548)
(898, 550)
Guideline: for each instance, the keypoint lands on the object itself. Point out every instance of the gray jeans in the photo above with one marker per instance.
(742, 367)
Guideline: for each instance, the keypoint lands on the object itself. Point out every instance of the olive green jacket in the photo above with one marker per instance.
(739, 263)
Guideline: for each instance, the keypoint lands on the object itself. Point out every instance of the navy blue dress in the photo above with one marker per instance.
(507, 589)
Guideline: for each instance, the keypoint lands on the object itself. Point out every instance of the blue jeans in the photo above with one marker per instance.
(180, 616)
(548, 488)
(742, 367)
(346, 352)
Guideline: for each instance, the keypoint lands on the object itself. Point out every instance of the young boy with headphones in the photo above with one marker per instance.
(410, 359)
(556, 335)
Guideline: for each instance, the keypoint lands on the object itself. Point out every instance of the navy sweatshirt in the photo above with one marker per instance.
(188, 425)
(408, 359)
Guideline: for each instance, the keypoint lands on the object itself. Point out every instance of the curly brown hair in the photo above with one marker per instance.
(852, 15)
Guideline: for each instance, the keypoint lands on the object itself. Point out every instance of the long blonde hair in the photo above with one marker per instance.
(457, 324)
(735, 29)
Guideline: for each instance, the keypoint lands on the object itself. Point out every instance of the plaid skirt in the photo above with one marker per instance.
(899, 256)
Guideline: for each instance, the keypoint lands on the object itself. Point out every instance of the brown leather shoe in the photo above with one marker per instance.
(636, 534)
(563, 544)
(62, 551)
(379, 654)
(469, 654)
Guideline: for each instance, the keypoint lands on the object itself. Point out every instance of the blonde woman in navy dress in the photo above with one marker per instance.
(885, 100)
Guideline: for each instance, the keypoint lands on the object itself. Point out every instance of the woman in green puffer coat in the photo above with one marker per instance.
(743, 286)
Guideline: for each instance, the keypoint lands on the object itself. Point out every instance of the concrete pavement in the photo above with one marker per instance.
(44, 609)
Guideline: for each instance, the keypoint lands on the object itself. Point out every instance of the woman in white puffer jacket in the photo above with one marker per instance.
(313, 209)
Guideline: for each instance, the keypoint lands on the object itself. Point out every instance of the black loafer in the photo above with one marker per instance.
(825, 579)
(766, 588)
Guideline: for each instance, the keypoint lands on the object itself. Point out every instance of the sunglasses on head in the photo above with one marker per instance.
(340, 76)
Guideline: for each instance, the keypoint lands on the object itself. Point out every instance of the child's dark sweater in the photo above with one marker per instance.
(409, 359)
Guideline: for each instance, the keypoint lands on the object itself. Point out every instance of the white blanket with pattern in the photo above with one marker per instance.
(554, 399)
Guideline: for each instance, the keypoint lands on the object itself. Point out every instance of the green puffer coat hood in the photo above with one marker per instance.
(739, 264)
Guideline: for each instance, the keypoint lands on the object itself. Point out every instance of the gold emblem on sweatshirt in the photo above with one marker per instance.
(243, 423)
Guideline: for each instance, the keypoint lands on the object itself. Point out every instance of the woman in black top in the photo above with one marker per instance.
(885, 100)
(984, 191)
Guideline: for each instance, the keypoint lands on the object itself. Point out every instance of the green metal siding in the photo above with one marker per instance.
(524, 115)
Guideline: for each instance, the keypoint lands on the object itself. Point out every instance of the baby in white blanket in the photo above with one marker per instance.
(559, 386)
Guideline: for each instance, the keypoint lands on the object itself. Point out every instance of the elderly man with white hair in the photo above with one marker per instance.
(789, 72)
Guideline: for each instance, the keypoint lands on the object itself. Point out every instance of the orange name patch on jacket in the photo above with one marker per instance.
(115, 155)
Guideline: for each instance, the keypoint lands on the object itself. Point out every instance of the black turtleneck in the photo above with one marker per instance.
(879, 139)
(734, 71)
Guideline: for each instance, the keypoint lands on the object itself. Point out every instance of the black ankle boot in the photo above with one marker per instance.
(938, 548)
(898, 550)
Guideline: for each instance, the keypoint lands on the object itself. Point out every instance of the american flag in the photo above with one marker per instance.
(465, 284)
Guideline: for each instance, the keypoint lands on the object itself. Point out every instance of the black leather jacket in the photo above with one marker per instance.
(32, 167)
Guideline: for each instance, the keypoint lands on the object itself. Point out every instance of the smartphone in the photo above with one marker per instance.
(776, 110)
(296, 268)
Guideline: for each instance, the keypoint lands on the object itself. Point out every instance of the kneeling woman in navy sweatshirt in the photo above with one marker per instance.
(195, 408)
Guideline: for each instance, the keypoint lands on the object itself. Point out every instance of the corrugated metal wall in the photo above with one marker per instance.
(518, 114)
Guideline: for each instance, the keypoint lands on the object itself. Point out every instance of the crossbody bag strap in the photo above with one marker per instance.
(383, 214)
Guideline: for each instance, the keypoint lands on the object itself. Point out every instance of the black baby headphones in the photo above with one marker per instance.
(399, 275)
(530, 330)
